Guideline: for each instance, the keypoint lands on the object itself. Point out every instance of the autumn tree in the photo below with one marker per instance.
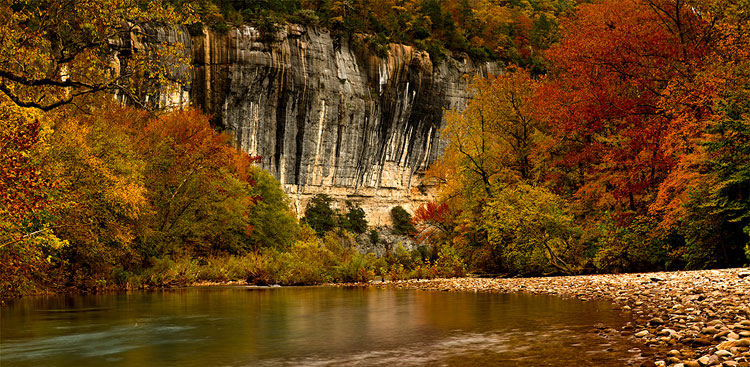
(616, 71)
(496, 143)
(705, 198)
(200, 188)
(101, 180)
(28, 202)
(55, 52)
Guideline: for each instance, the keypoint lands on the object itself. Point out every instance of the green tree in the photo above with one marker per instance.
(401, 220)
(273, 223)
(354, 219)
(319, 214)
(531, 229)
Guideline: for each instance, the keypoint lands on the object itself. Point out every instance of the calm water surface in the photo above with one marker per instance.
(320, 326)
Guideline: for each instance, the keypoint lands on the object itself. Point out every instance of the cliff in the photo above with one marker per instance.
(327, 115)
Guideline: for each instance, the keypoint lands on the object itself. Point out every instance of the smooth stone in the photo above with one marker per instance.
(691, 364)
(722, 333)
(657, 321)
(727, 345)
(723, 353)
(710, 330)
(704, 360)
(729, 364)
(641, 334)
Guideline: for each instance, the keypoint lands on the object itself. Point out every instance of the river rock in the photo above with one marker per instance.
(723, 353)
(710, 330)
(641, 334)
(701, 341)
(673, 360)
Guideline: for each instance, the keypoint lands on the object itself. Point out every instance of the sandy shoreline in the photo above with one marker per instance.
(688, 318)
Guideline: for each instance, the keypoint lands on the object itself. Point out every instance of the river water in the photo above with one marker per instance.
(316, 326)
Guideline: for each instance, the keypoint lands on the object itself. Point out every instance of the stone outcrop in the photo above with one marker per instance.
(329, 115)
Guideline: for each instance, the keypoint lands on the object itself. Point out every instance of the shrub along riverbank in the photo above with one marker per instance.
(305, 263)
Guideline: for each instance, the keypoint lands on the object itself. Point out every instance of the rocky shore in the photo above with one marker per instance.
(684, 319)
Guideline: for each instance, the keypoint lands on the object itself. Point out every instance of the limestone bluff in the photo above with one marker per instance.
(328, 115)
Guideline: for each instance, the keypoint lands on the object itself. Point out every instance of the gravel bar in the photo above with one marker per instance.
(687, 318)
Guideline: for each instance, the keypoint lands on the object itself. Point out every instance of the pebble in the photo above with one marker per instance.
(710, 331)
(723, 353)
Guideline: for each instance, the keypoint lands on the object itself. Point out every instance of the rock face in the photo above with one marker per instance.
(331, 116)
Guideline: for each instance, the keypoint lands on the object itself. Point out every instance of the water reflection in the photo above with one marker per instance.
(306, 326)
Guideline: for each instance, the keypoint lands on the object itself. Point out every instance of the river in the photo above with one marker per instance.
(308, 326)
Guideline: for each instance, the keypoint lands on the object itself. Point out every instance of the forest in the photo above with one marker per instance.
(630, 154)
(616, 140)
(512, 31)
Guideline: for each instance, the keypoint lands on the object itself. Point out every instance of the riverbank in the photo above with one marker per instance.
(687, 318)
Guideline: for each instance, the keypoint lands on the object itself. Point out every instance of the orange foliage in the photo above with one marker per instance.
(611, 100)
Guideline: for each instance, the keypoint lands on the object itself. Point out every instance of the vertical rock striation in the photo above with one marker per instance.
(331, 116)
